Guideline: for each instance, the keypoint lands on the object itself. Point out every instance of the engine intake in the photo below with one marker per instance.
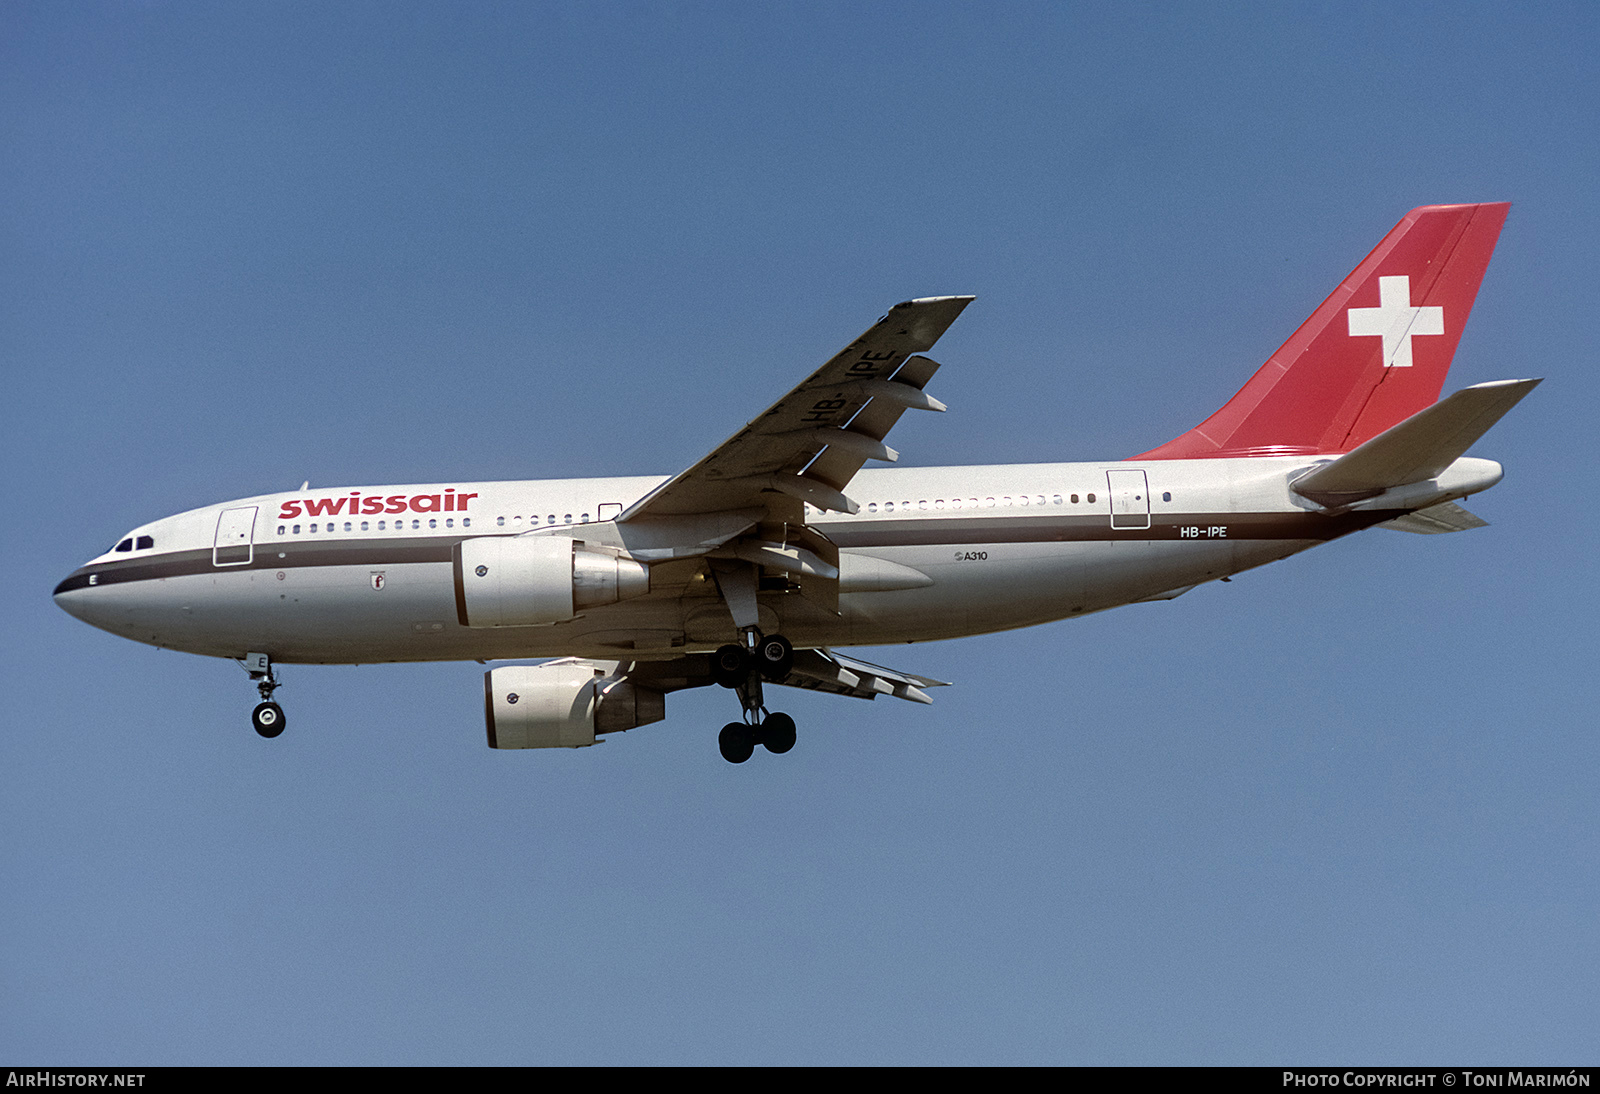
(523, 581)
(562, 704)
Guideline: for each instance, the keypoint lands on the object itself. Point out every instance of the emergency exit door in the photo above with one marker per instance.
(1130, 499)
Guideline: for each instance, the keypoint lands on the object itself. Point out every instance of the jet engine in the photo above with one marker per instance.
(522, 581)
(563, 704)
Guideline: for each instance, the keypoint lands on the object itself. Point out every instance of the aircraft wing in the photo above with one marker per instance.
(809, 444)
(815, 670)
(826, 670)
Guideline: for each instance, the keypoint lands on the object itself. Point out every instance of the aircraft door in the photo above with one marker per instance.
(234, 545)
(1130, 499)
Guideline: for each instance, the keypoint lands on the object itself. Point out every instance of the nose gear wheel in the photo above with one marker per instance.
(268, 719)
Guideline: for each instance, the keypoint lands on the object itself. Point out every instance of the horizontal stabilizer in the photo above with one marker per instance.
(1419, 448)
(1436, 519)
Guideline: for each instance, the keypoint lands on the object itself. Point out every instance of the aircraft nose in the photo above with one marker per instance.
(74, 595)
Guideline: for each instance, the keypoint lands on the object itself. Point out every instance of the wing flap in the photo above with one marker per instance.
(826, 670)
(838, 463)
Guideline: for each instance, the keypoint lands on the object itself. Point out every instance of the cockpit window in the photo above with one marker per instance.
(144, 544)
(125, 545)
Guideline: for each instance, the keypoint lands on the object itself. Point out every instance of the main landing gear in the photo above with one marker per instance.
(742, 669)
(268, 717)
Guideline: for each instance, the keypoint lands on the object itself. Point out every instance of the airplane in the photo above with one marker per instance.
(755, 566)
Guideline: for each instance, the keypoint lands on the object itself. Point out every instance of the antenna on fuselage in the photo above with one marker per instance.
(306, 485)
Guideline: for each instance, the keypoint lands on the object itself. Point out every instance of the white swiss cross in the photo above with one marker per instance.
(1395, 321)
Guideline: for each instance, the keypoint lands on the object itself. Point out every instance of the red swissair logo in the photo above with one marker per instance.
(356, 503)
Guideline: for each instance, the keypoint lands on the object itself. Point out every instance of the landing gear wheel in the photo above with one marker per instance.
(775, 657)
(730, 665)
(736, 742)
(777, 733)
(268, 719)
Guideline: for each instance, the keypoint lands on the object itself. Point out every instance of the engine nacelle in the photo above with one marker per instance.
(523, 581)
(562, 705)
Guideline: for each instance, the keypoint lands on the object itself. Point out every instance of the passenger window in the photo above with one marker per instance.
(433, 523)
(296, 529)
(347, 526)
(500, 521)
(1166, 495)
(1091, 499)
(280, 529)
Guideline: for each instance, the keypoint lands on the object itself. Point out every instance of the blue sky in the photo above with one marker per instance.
(1340, 809)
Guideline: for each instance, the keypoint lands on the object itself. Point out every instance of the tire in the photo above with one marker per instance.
(775, 656)
(777, 733)
(736, 742)
(730, 665)
(268, 719)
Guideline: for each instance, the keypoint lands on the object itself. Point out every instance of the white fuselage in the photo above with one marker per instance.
(365, 574)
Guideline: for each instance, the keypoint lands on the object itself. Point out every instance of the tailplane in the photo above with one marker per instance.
(1421, 448)
(1372, 355)
(1435, 520)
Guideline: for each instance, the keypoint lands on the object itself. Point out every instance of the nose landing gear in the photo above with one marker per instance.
(268, 717)
(742, 669)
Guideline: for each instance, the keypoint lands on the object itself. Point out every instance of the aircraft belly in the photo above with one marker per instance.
(980, 588)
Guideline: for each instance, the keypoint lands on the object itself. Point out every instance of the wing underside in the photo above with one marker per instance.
(814, 670)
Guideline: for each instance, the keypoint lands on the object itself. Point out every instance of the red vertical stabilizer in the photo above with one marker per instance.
(1374, 353)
